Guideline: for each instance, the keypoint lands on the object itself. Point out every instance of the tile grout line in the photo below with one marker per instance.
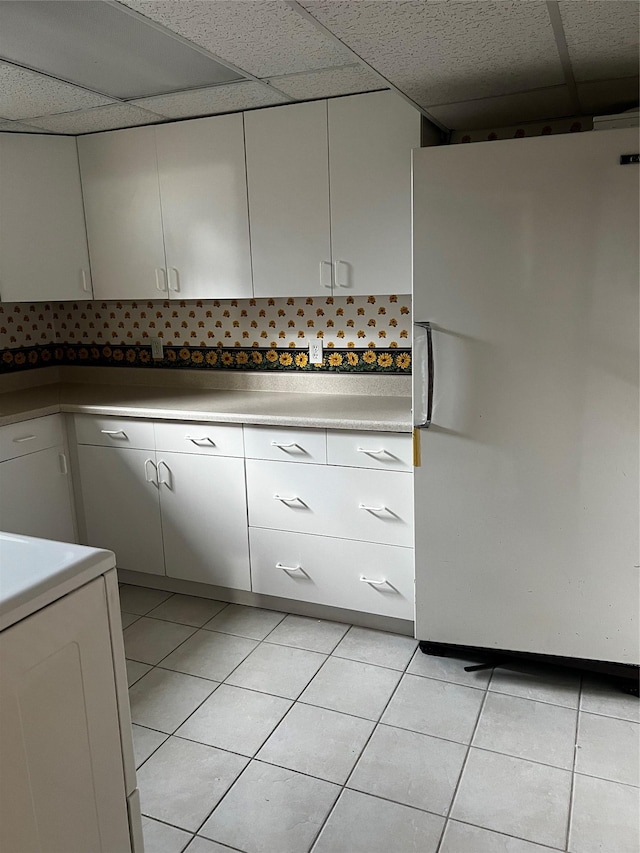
(464, 762)
(278, 724)
(573, 767)
(343, 787)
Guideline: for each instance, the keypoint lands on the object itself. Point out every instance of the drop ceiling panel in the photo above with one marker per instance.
(18, 127)
(264, 38)
(608, 96)
(328, 83)
(602, 38)
(505, 110)
(101, 118)
(445, 52)
(217, 99)
(24, 94)
(103, 47)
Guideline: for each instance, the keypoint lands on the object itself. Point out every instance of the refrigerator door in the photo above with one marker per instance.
(526, 502)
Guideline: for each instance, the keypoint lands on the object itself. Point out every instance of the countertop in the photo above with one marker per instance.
(276, 408)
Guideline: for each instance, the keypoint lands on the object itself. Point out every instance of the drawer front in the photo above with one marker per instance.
(388, 451)
(203, 439)
(373, 506)
(286, 445)
(336, 572)
(114, 432)
(30, 436)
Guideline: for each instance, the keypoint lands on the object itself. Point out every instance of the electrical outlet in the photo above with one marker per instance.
(156, 348)
(315, 351)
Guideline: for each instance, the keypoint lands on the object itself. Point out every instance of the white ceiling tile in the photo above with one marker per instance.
(608, 96)
(18, 127)
(263, 38)
(216, 99)
(328, 83)
(602, 38)
(439, 52)
(24, 94)
(505, 110)
(101, 118)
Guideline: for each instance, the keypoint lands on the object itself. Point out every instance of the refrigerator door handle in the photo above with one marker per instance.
(426, 325)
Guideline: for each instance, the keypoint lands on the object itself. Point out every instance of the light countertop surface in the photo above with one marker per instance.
(276, 408)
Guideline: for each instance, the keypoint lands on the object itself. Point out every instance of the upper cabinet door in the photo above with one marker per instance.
(370, 142)
(122, 205)
(43, 243)
(203, 188)
(288, 180)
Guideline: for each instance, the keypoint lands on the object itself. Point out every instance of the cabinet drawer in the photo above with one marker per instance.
(114, 432)
(206, 439)
(390, 451)
(286, 445)
(374, 506)
(29, 436)
(334, 572)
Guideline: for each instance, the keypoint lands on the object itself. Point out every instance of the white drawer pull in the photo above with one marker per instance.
(64, 468)
(153, 480)
(289, 568)
(287, 500)
(373, 508)
(372, 582)
(370, 452)
(199, 440)
(284, 446)
(24, 438)
(114, 433)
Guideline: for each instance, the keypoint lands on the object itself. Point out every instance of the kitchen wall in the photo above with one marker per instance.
(361, 333)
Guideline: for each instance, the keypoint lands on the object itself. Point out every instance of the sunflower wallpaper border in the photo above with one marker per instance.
(359, 334)
(335, 360)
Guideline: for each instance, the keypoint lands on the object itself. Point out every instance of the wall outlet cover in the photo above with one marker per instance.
(315, 351)
(157, 350)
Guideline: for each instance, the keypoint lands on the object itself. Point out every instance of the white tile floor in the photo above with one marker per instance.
(260, 732)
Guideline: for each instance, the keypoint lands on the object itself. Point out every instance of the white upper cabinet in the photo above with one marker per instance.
(330, 196)
(370, 142)
(288, 179)
(124, 221)
(43, 243)
(203, 189)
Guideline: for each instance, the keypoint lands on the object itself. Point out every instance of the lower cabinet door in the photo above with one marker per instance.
(62, 784)
(121, 505)
(204, 519)
(337, 572)
(34, 496)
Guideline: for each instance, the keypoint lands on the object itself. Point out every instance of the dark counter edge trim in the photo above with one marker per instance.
(347, 360)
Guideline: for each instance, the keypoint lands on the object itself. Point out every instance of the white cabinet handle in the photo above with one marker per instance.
(287, 500)
(324, 282)
(373, 508)
(86, 281)
(289, 568)
(114, 433)
(153, 480)
(284, 446)
(169, 480)
(370, 452)
(161, 280)
(345, 280)
(372, 582)
(173, 275)
(64, 469)
(24, 438)
(200, 440)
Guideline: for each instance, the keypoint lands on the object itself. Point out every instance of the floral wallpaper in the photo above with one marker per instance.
(241, 334)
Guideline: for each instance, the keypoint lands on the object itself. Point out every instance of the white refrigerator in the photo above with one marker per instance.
(526, 499)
